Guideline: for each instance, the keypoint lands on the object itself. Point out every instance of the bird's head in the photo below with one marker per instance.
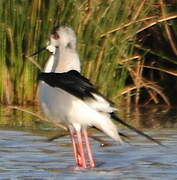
(62, 37)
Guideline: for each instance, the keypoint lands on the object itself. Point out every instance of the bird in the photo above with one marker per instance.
(71, 99)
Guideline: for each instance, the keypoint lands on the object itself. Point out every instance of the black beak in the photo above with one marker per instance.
(40, 50)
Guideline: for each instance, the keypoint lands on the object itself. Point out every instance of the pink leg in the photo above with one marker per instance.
(81, 149)
(89, 152)
(74, 147)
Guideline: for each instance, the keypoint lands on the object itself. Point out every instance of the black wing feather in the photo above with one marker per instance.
(113, 115)
(72, 82)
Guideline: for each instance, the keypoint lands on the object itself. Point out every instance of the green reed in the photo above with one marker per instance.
(103, 52)
(25, 27)
(106, 30)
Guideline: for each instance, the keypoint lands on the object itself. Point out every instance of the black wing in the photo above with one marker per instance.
(72, 82)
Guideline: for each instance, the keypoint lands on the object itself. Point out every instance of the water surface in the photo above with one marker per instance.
(25, 152)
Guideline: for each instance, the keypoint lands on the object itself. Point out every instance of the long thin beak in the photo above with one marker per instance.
(40, 50)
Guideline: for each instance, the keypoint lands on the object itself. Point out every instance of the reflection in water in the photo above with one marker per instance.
(25, 153)
(151, 116)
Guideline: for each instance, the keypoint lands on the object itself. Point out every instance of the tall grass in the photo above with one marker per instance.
(107, 34)
(25, 26)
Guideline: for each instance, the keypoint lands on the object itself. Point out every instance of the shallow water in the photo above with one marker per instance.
(26, 153)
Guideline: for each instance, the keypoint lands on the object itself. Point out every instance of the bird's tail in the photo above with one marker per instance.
(113, 115)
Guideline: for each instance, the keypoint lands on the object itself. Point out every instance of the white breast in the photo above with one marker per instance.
(55, 102)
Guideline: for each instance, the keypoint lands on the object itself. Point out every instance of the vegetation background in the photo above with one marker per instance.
(127, 47)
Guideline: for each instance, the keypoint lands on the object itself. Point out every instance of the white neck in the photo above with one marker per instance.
(63, 60)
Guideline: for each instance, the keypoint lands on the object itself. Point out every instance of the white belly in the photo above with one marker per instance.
(63, 107)
(55, 103)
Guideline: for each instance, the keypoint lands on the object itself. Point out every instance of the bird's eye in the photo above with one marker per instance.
(55, 36)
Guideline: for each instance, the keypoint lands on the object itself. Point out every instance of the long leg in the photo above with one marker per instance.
(81, 149)
(89, 152)
(74, 148)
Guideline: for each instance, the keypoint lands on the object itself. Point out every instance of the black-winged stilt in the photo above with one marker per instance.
(68, 97)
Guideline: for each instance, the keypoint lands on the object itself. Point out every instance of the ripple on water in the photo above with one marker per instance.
(23, 155)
